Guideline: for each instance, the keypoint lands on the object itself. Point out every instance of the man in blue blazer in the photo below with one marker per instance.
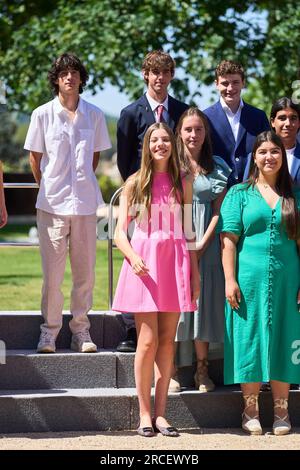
(158, 70)
(154, 106)
(234, 124)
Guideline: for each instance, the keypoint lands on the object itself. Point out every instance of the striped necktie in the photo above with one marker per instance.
(159, 111)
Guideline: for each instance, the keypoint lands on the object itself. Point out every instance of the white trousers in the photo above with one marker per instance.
(59, 235)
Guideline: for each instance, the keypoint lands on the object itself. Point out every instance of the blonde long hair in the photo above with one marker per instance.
(143, 178)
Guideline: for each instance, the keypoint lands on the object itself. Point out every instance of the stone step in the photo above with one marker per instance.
(111, 409)
(25, 369)
(21, 329)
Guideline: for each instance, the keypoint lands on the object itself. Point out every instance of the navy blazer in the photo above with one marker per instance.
(132, 125)
(295, 168)
(253, 121)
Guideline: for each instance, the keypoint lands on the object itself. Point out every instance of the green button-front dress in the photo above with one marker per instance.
(262, 338)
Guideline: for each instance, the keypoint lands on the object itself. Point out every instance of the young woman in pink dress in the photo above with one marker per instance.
(159, 277)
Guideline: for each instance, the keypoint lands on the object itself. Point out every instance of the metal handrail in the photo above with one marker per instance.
(111, 228)
(19, 186)
(18, 244)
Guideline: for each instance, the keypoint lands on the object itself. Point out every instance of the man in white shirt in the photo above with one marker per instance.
(234, 124)
(65, 138)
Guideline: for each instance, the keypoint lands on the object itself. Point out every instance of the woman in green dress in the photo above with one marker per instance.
(259, 225)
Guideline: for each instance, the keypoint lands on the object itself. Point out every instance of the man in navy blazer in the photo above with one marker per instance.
(158, 70)
(234, 124)
(154, 106)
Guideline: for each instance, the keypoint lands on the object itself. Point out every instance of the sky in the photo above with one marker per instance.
(111, 101)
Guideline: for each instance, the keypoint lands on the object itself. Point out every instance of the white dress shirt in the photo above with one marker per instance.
(290, 157)
(233, 118)
(68, 184)
(154, 105)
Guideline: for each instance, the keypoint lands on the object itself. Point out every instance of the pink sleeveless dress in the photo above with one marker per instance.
(160, 241)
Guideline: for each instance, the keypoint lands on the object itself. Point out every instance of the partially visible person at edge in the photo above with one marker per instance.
(159, 277)
(65, 138)
(3, 212)
(234, 124)
(156, 105)
(210, 173)
(259, 225)
(285, 122)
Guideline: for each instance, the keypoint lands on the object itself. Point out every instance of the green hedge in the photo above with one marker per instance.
(107, 186)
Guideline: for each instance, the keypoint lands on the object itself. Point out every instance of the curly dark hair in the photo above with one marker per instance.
(65, 62)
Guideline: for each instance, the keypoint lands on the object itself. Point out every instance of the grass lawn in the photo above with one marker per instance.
(21, 274)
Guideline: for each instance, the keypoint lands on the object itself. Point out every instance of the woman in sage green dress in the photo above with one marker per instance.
(259, 225)
(210, 173)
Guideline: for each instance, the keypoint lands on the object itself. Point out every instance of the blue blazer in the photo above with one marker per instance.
(295, 169)
(132, 125)
(253, 121)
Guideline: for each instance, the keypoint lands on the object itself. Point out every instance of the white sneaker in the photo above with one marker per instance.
(82, 342)
(46, 343)
(174, 386)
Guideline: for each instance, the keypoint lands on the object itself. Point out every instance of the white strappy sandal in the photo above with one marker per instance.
(251, 425)
(281, 426)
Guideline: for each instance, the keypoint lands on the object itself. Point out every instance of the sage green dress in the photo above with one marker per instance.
(207, 322)
(262, 337)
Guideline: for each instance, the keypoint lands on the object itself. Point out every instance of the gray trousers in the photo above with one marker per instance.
(59, 236)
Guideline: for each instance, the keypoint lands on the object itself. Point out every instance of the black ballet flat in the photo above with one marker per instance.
(148, 431)
(166, 431)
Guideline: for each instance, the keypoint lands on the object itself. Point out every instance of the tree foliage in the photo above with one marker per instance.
(11, 151)
(112, 37)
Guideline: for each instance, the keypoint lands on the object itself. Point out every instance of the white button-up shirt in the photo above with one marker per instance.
(233, 118)
(290, 157)
(68, 184)
(154, 105)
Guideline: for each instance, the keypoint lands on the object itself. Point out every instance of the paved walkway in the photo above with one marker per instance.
(198, 439)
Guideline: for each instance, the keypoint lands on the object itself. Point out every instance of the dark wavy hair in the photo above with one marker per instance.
(67, 61)
(283, 103)
(284, 184)
(205, 158)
